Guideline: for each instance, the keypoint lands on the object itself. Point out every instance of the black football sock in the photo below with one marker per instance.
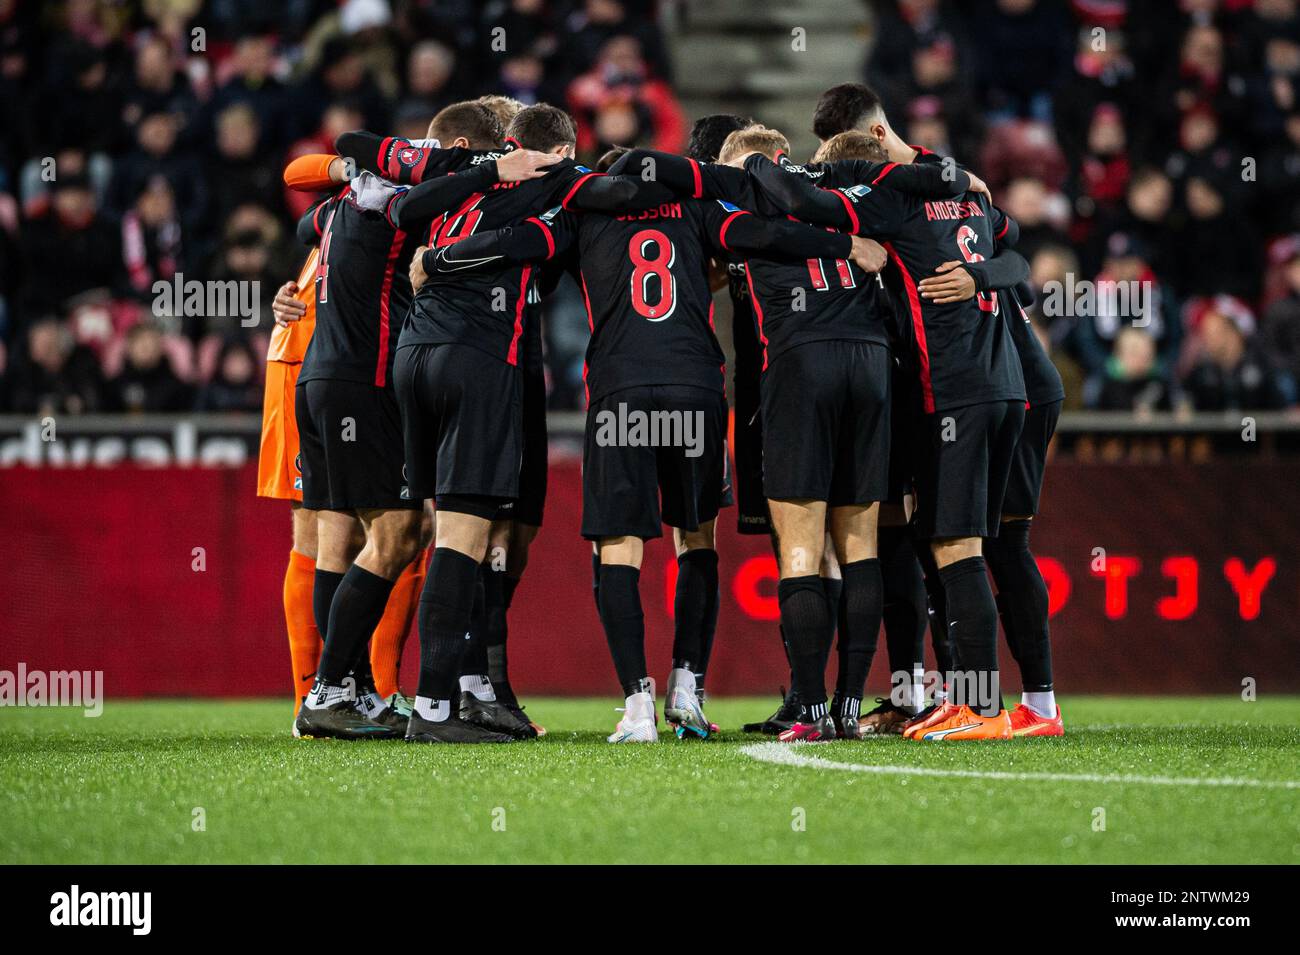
(356, 610)
(834, 589)
(446, 604)
(508, 587)
(1022, 603)
(620, 613)
(322, 595)
(973, 626)
(697, 580)
(944, 652)
(595, 579)
(496, 632)
(904, 608)
(474, 661)
(710, 630)
(859, 625)
(807, 622)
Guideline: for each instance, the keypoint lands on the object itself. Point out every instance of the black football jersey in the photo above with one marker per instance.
(962, 352)
(362, 291)
(1043, 383)
(645, 283)
(484, 307)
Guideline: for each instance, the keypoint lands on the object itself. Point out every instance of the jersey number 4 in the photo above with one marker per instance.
(658, 264)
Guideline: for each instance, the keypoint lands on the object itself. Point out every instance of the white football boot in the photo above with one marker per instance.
(682, 706)
(638, 722)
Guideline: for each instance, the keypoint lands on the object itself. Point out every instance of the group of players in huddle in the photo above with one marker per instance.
(892, 409)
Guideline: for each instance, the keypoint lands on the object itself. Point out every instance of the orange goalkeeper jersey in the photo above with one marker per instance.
(289, 343)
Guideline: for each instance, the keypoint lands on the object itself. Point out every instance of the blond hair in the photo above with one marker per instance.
(755, 139)
(851, 144)
(505, 107)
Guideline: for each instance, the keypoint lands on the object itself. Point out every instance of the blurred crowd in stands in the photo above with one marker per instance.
(1155, 141)
(1148, 141)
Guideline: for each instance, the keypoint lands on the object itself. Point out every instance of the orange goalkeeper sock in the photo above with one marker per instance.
(389, 641)
(304, 638)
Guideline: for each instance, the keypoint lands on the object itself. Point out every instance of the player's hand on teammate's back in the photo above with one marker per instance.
(979, 185)
(286, 307)
(954, 284)
(869, 254)
(520, 164)
(417, 273)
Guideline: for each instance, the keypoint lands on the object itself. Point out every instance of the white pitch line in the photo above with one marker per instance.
(785, 754)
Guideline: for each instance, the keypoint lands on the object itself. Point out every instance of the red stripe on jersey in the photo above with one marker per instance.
(546, 231)
(591, 327)
(698, 191)
(380, 160)
(889, 167)
(394, 250)
(1006, 224)
(918, 326)
(315, 218)
(578, 185)
(848, 205)
(513, 355)
(758, 311)
(726, 223)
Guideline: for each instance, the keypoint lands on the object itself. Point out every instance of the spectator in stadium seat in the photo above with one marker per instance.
(933, 89)
(1215, 235)
(70, 250)
(431, 78)
(234, 385)
(1147, 215)
(239, 169)
(902, 27)
(597, 22)
(1102, 73)
(1101, 173)
(1277, 200)
(253, 86)
(157, 85)
(1230, 374)
(621, 77)
(1280, 333)
(1128, 293)
(151, 239)
(1133, 379)
(55, 375)
(1024, 52)
(147, 382)
(340, 117)
(1040, 213)
(156, 154)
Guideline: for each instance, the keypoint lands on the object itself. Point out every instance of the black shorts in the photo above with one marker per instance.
(462, 421)
(350, 447)
(533, 468)
(906, 417)
(1030, 460)
(631, 486)
(752, 515)
(962, 468)
(826, 423)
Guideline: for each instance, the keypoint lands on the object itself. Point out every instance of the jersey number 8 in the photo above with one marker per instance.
(660, 266)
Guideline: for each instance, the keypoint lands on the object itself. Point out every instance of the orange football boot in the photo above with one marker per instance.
(926, 718)
(1025, 722)
(964, 723)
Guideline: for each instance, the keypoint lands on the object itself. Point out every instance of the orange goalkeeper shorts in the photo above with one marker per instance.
(278, 473)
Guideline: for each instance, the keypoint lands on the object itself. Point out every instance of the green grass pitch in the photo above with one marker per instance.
(1172, 780)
